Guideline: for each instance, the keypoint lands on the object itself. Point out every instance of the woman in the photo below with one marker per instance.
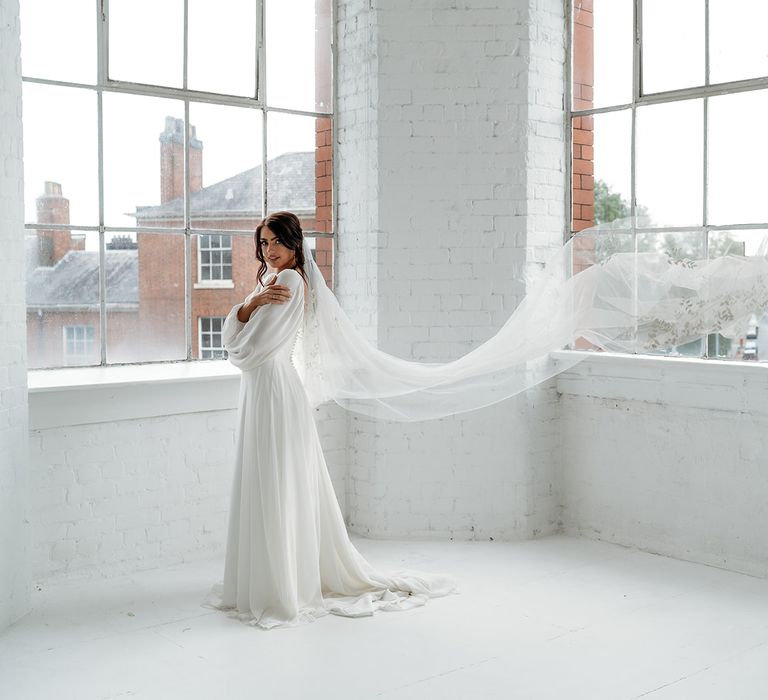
(288, 555)
(289, 559)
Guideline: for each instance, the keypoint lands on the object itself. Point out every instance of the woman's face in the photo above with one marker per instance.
(276, 255)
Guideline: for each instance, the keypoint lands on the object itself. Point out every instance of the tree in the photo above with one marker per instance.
(609, 205)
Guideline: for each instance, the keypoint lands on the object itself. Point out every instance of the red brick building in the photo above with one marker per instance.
(145, 288)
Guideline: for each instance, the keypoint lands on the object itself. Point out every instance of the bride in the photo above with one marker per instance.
(289, 559)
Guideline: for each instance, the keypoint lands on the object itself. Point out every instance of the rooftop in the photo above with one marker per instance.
(73, 282)
(290, 185)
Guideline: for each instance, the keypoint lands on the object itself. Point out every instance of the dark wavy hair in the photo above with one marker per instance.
(287, 229)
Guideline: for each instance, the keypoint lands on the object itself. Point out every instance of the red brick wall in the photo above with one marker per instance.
(161, 297)
(172, 170)
(582, 163)
(53, 208)
(583, 183)
(324, 195)
(45, 336)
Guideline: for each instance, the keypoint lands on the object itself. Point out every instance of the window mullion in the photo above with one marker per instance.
(185, 58)
(567, 123)
(334, 138)
(260, 74)
(637, 52)
(102, 41)
(187, 240)
(102, 72)
(264, 202)
(261, 96)
(706, 42)
(637, 84)
(102, 236)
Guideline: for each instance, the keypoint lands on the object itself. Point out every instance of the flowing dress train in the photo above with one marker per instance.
(289, 558)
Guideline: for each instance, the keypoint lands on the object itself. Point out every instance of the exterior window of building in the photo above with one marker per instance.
(211, 344)
(215, 255)
(666, 111)
(79, 344)
(141, 242)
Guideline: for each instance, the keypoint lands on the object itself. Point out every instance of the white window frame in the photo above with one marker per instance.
(210, 334)
(104, 84)
(82, 344)
(222, 282)
(641, 98)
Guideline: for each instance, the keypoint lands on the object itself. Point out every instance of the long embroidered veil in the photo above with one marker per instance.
(609, 287)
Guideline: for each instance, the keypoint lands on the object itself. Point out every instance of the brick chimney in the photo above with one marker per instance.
(172, 160)
(53, 208)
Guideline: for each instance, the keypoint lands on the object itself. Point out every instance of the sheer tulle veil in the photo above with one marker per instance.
(611, 287)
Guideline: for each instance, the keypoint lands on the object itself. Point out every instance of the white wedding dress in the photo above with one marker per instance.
(289, 559)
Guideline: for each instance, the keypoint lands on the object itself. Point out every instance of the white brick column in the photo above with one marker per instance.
(14, 527)
(450, 181)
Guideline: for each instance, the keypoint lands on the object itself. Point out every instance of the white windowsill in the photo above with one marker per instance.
(720, 385)
(214, 284)
(660, 360)
(85, 395)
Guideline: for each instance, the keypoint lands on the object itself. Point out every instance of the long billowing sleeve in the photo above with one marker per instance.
(269, 328)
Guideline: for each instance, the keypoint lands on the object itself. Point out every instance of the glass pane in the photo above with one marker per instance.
(222, 47)
(145, 299)
(742, 242)
(226, 168)
(298, 54)
(596, 246)
(62, 300)
(60, 155)
(291, 180)
(752, 343)
(602, 53)
(146, 41)
(669, 163)
(678, 246)
(737, 40)
(144, 184)
(673, 44)
(225, 285)
(601, 168)
(738, 152)
(49, 52)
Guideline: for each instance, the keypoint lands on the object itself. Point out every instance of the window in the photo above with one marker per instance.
(79, 344)
(211, 344)
(667, 104)
(215, 251)
(141, 241)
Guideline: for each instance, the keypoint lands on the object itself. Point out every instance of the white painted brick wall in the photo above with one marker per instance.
(450, 182)
(136, 494)
(668, 456)
(357, 164)
(14, 486)
(467, 185)
(485, 475)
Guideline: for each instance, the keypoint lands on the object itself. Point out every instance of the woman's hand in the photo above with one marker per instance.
(271, 294)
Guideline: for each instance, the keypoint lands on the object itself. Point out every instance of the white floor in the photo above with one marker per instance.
(552, 618)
